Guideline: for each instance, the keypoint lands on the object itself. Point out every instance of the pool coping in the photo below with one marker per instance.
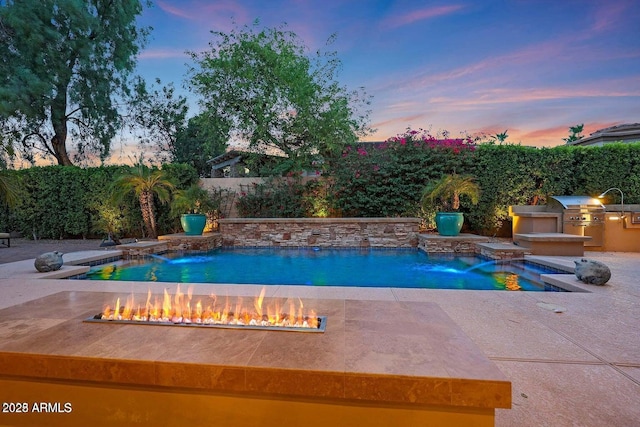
(79, 265)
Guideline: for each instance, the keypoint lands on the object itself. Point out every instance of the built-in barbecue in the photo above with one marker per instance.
(581, 216)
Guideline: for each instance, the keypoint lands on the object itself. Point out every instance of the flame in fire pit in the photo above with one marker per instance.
(181, 309)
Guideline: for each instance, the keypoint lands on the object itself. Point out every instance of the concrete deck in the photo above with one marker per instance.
(573, 358)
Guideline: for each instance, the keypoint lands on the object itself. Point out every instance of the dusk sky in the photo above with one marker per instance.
(532, 67)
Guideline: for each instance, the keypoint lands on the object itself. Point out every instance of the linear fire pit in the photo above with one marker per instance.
(315, 325)
(183, 310)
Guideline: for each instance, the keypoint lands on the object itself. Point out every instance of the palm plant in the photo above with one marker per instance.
(146, 184)
(449, 189)
(193, 200)
(8, 190)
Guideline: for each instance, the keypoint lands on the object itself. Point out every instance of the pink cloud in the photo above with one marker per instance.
(528, 95)
(545, 137)
(200, 10)
(494, 71)
(172, 10)
(401, 120)
(555, 133)
(419, 15)
(609, 15)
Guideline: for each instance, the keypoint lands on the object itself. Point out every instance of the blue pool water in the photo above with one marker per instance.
(331, 267)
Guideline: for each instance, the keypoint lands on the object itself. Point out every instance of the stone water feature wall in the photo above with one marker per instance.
(321, 232)
(461, 244)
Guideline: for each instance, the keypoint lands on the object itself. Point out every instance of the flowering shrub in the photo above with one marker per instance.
(423, 139)
(386, 179)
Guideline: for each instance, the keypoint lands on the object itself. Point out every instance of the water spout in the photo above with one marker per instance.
(492, 262)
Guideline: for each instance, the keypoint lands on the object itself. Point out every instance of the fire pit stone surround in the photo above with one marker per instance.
(399, 363)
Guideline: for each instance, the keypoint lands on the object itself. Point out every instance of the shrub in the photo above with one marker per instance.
(275, 198)
(387, 179)
(377, 180)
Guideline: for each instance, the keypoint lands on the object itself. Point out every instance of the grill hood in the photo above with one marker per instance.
(569, 202)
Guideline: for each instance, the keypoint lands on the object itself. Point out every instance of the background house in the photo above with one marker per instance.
(627, 133)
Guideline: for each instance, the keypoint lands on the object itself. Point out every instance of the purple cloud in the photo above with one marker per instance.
(419, 15)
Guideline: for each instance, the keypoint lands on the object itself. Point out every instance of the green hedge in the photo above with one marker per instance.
(68, 202)
(374, 180)
(388, 181)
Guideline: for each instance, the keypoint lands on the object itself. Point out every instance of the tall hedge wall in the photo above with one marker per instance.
(383, 184)
(381, 180)
(67, 202)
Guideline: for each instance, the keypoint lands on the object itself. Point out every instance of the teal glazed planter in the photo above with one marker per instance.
(193, 224)
(449, 223)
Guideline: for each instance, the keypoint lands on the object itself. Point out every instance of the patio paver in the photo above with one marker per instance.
(580, 367)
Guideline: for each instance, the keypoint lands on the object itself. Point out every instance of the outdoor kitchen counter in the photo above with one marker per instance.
(385, 362)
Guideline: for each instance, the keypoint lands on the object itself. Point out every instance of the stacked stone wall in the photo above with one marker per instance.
(182, 242)
(462, 244)
(320, 232)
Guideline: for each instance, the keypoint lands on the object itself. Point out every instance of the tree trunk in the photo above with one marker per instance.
(148, 215)
(59, 122)
(455, 204)
(60, 149)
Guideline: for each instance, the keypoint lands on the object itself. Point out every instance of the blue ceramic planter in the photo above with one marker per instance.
(193, 224)
(449, 223)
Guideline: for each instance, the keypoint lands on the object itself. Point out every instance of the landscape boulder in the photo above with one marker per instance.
(49, 261)
(592, 272)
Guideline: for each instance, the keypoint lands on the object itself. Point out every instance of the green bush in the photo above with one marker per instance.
(375, 180)
(387, 179)
(275, 198)
(70, 202)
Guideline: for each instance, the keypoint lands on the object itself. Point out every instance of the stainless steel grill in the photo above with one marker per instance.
(581, 216)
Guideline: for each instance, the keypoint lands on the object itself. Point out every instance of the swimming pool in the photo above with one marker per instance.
(402, 268)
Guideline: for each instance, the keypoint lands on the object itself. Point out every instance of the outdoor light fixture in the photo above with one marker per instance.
(621, 199)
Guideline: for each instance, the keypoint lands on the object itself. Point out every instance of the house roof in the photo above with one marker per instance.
(225, 157)
(233, 156)
(628, 132)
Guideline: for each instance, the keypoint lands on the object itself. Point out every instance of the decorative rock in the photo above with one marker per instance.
(49, 261)
(592, 272)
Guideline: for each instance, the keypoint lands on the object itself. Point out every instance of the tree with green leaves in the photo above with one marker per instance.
(575, 133)
(500, 138)
(276, 96)
(146, 184)
(64, 63)
(157, 116)
(204, 138)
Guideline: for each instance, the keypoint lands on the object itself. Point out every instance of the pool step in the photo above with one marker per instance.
(141, 249)
(501, 250)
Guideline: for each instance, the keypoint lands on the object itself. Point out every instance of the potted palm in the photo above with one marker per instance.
(447, 192)
(192, 204)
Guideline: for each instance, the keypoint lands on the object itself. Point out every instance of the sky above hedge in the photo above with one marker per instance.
(532, 67)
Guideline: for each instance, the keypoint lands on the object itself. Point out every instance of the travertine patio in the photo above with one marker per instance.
(579, 366)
